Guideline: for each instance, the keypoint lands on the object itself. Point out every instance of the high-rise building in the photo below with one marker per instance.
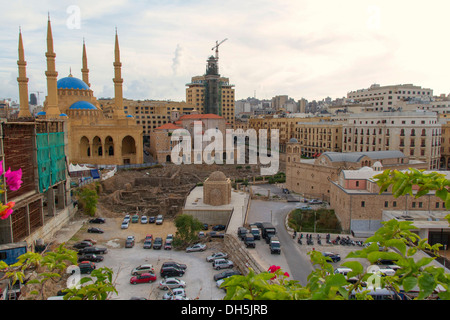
(211, 93)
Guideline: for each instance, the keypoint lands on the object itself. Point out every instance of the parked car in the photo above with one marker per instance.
(215, 234)
(125, 225)
(95, 230)
(226, 274)
(315, 201)
(168, 244)
(171, 283)
(275, 246)
(127, 218)
(94, 250)
(151, 219)
(333, 256)
(144, 268)
(143, 278)
(196, 247)
(169, 236)
(129, 243)
(82, 244)
(242, 231)
(159, 219)
(249, 241)
(148, 244)
(86, 267)
(217, 255)
(135, 218)
(222, 264)
(157, 244)
(90, 257)
(219, 227)
(97, 220)
(144, 219)
(177, 292)
(171, 272)
(174, 264)
(90, 240)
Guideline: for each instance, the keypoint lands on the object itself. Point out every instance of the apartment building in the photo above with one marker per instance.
(151, 114)
(416, 134)
(386, 98)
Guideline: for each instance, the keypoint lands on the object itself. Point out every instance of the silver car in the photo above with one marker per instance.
(217, 255)
(222, 264)
(145, 268)
(171, 283)
(174, 294)
(196, 247)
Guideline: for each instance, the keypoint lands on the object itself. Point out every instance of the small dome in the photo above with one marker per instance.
(63, 115)
(42, 113)
(377, 164)
(129, 116)
(82, 105)
(217, 176)
(72, 83)
(293, 140)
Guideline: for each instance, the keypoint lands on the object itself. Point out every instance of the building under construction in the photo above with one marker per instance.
(211, 93)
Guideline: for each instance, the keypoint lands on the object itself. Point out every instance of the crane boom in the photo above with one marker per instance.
(217, 47)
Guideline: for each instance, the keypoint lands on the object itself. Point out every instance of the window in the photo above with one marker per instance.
(394, 204)
(363, 204)
(386, 204)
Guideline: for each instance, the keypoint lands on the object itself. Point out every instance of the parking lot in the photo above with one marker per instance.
(199, 273)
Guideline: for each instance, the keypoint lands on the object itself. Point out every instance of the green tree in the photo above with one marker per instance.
(88, 199)
(187, 229)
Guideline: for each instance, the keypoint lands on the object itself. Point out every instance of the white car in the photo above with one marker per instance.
(217, 255)
(124, 225)
(171, 283)
(127, 218)
(159, 219)
(175, 294)
(145, 268)
(144, 219)
(196, 247)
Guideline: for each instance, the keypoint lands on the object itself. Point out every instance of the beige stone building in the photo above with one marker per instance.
(161, 143)
(312, 177)
(360, 208)
(416, 134)
(217, 189)
(386, 98)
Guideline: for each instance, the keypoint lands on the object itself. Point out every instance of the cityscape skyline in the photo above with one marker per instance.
(314, 51)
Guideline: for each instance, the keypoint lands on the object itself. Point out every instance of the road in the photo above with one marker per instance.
(292, 259)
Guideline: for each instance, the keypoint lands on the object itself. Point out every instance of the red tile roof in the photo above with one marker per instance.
(168, 126)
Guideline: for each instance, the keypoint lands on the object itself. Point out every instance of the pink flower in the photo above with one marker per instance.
(7, 210)
(13, 179)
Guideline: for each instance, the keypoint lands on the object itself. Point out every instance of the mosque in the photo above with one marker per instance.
(92, 136)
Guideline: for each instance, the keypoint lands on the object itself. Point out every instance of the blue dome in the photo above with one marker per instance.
(129, 116)
(82, 105)
(72, 83)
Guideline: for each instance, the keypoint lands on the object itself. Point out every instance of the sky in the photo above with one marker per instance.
(300, 48)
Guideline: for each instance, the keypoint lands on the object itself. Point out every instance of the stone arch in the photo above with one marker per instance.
(84, 147)
(109, 146)
(97, 148)
(128, 145)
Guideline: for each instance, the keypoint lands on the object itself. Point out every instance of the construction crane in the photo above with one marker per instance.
(217, 47)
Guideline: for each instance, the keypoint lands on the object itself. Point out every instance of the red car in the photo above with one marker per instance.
(143, 278)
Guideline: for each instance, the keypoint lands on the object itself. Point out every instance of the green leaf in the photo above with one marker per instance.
(397, 243)
(409, 283)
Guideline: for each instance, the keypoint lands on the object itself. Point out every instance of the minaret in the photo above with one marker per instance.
(85, 70)
(51, 109)
(118, 93)
(24, 111)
